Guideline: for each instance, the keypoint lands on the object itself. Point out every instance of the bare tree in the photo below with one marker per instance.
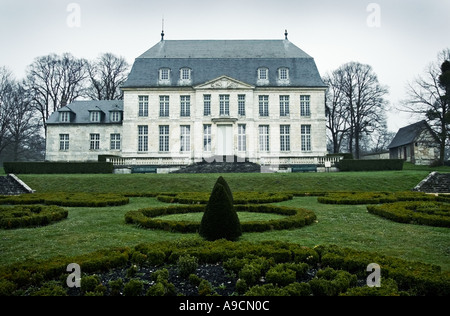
(106, 75)
(5, 109)
(428, 97)
(54, 81)
(360, 103)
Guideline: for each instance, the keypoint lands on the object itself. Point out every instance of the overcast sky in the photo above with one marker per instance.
(398, 38)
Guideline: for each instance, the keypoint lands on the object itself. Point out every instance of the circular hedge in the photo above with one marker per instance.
(238, 197)
(76, 199)
(377, 197)
(149, 218)
(30, 216)
(422, 213)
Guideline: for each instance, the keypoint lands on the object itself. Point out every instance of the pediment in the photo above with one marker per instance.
(224, 83)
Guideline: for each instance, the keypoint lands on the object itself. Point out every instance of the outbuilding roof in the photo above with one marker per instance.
(410, 134)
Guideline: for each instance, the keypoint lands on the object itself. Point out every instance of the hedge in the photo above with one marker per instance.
(58, 167)
(287, 265)
(370, 165)
(30, 216)
(147, 218)
(238, 197)
(76, 199)
(377, 197)
(421, 213)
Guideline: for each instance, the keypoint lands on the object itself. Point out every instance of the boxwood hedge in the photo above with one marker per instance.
(30, 216)
(377, 197)
(238, 197)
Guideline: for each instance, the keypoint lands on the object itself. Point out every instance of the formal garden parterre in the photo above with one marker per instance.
(193, 266)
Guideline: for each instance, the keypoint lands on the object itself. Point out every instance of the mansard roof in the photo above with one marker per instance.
(237, 59)
(81, 110)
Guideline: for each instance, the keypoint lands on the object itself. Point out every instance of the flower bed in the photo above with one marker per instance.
(195, 267)
(149, 218)
(30, 216)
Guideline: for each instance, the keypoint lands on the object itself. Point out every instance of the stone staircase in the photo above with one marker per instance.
(222, 164)
(11, 185)
(435, 183)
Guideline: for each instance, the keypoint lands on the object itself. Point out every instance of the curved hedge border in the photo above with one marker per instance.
(238, 197)
(30, 216)
(77, 199)
(422, 213)
(147, 218)
(337, 268)
(377, 197)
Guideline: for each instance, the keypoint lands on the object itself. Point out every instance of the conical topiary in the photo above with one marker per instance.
(220, 220)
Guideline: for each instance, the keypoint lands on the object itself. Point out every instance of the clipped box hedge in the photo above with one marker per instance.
(58, 167)
(30, 216)
(238, 197)
(377, 197)
(370, 165)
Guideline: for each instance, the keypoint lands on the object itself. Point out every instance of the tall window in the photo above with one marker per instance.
(306, 137)
(143, 105)
(164, 106)
(305, 105)
(115, 141)
(264, 138)
(142, 138)
(207, 138)
(224, 101)
(63, 142)
(242, 137)
(241, 104)
(95, 142)
(206, 104)
(284, 105)
(285, 138)
(185, 106)
(263, 105)
(164, 138)
(185, 139)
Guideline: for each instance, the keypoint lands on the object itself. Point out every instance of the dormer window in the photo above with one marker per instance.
(263, 76)
(164, 76)
(283, 76)
(64, 117)
(116, 116)
(95, 116)
(185, 74)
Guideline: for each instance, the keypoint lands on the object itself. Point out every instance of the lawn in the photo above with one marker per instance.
(89, 229)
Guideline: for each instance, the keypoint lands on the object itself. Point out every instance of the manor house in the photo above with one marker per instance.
(188, 100)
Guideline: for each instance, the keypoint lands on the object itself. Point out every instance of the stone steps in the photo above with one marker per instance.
(222, 164)
(11, 185)
(435, 183)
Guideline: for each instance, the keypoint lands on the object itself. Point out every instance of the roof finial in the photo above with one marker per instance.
(286, 34)
(162, 32)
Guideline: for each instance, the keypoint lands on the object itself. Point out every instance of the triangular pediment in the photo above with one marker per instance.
(224, 83)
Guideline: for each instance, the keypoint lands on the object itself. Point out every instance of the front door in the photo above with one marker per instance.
(224, 140)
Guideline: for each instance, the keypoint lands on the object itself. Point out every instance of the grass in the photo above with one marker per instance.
(89, 229)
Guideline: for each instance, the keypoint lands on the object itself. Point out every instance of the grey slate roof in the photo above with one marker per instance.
(81, 109)
(238, 59)
(409, 134)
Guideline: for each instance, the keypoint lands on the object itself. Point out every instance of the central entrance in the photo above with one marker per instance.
(224, 146)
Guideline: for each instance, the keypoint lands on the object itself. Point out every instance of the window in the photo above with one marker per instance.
(241, 104)
(285, 138)
(65, 117)
(207, 138)
(284, 105)
(224, 102)
(206, 105)
(142, 138)
(115, 116)
(242, 137)
(164, 106)
(305, 105)
(95, 142)
(283, 74)
(185, 106)
(306, 137)
(164, 74)
(185, 74)
(264, 138)
(263, 74)
(164, 138)
(63, 142)
(263, 105)
(115, 142)
(143, 105)
(185, 140)
(95, 116)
